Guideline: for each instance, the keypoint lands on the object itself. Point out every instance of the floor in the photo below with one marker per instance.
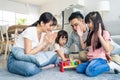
(53, 74)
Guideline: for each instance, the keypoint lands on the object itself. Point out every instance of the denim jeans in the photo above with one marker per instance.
(41, 58)
(93, 67)
(25, 68)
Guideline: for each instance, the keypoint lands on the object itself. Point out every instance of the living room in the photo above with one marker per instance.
(26, 12)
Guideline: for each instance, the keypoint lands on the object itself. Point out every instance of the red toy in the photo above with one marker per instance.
(68, 64)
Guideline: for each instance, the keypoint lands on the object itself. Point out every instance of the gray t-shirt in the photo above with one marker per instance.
(74, 39)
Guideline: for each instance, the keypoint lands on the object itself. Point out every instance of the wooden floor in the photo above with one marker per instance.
(2, 62)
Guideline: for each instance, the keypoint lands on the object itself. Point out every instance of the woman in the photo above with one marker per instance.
(29, 53)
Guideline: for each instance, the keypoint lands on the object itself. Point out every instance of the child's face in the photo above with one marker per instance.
(90, 25)
(62, 41)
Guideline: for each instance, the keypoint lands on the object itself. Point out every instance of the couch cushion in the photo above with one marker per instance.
(116, 38)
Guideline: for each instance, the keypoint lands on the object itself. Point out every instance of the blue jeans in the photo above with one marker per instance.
(25, 68)
(93, 67)
(41, 58)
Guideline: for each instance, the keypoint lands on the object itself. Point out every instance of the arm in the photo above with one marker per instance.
(51, 41)
(83, 45)
(80, 31)
(106, 46)
(104, 43)
(28, 47)
(69, 42)
(59, 52)
(47, 41)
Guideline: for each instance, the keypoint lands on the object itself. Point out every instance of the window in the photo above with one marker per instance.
(21, 18)
(0, 17)
(8, 18)
(12, 18)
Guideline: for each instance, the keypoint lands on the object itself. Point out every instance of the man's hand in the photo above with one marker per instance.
(80, 31)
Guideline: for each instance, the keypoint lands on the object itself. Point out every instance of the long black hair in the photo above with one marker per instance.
(61, 33)
(46, 17)
(96, 19)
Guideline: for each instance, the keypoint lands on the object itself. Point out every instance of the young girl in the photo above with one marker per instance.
(59, 45)
(98, 45)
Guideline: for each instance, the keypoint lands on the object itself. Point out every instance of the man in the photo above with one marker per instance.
(76, 20)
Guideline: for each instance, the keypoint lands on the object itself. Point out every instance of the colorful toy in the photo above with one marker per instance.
(68, 64)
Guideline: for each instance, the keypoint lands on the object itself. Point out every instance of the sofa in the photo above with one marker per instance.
(114, 28)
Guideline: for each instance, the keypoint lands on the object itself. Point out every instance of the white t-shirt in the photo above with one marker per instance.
(58, 47)
(29, 33)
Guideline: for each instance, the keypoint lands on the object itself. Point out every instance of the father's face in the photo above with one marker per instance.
(75, 23)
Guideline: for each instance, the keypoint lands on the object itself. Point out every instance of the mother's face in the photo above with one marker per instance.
(47, 27)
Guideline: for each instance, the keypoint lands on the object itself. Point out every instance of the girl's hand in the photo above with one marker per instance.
(65, 59)
(89, 56)
(99, 33)
(108, 57)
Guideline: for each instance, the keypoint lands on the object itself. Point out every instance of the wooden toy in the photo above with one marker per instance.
(68, 64)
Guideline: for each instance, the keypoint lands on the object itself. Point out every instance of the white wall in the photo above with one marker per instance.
(33, 13)
(57, 6)
(92, 5)
(31, 10)
(112, 18)
(12, 6)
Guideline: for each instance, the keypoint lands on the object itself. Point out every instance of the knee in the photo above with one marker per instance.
(79, 69)
(31, 70)
(28, 71)
(90, 72)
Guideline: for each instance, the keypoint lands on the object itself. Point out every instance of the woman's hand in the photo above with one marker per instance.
(50, 37)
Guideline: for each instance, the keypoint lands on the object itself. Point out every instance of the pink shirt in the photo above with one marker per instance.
(99, 53)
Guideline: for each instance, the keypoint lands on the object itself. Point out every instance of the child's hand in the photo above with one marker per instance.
(99, 33)
(76, 60)
(89, 56)
(65, 59)
(108, 57)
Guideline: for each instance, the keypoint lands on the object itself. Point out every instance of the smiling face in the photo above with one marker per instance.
(62, 40)
(47, 27)
(90, 25)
